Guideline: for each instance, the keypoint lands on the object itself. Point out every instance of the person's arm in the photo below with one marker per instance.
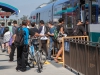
(62, 30)
(13, 38)
(50, 34)
(14, 35)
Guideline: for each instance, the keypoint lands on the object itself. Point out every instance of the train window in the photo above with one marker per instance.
(55, 11)
(49, 13)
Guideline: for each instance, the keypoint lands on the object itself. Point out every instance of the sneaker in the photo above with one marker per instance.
(11, 61)
(3, 50)
(50, 59)
(18, 70)
(22, 70)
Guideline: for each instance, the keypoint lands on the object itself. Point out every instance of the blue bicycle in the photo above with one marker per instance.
(36, 56)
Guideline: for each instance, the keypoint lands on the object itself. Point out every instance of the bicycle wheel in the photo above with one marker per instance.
(30, 61)
(39, 64)
(43, 57)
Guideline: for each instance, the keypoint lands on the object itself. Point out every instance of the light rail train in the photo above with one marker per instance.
(71, 11)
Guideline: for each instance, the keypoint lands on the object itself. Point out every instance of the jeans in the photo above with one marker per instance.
(50, 49)
(44, 46)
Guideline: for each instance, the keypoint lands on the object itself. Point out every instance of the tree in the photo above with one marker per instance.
(24, 17)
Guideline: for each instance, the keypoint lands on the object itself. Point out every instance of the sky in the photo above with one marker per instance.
(25, 6)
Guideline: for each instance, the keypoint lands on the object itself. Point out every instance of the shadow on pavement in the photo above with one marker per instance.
(5, 67)
(3, 60)
(2, 54)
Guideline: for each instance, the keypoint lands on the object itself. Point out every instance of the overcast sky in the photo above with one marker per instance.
(25, 6)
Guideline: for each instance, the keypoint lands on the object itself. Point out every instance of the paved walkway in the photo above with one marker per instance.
(8, 68)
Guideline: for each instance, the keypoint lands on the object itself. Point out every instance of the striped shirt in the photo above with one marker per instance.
(7, 37)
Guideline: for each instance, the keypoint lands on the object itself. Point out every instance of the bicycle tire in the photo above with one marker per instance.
(39, 64)
(43, 59)
(30, 61)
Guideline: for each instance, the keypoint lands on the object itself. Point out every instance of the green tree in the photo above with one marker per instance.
(24, 17)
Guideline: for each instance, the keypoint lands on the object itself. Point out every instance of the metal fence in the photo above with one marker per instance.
(82, 56)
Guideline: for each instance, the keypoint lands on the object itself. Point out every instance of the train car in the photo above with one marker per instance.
(71, 12)
(44, 13)
(59, 6)
(47, 13)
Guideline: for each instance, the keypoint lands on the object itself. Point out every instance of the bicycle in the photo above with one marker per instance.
(37, 57)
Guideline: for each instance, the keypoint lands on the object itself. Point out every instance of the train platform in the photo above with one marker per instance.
(49, 68)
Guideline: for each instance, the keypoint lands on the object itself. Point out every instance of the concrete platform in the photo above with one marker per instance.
(8, 68)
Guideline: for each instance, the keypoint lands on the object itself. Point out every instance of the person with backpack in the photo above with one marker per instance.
(21, 42)
(79, 29)
(60, 29)
(6, 38)
(13, 47)
(43, 30)
(51, 34)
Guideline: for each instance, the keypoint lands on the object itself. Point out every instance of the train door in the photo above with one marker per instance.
(37, 18)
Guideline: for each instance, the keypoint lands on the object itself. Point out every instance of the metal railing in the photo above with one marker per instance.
(82, 56)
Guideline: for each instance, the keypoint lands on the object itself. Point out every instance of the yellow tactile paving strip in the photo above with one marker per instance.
(44, 63)
(47, 62)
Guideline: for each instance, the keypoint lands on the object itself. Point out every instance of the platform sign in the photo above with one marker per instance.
(5, 13)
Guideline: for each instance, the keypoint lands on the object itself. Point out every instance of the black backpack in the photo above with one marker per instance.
(46, 29)
(19, 40)
(76, 30)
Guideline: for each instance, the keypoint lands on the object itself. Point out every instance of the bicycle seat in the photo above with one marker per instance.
(36, 43)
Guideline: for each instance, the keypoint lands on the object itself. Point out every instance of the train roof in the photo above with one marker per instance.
(60, 2)
(43, 8)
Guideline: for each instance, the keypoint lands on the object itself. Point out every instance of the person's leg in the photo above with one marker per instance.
(44, 46)
(2, 46)
(58, 54)
(19, 58)
(24, 57)
(50, 49)
(12, 52)
(8, 48)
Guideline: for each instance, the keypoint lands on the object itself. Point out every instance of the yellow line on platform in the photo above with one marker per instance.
(47, 62)
(44, 63)
(60, 62)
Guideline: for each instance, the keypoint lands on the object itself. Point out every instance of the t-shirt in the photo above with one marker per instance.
(14, 28)
(32, 31)
(52, 32)
(81, 30)
(7, 37)
(26, 36)
(42, 31)
(59, 27)
(10, 28)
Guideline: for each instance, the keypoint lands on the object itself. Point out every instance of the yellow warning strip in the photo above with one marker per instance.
(60, 62)
(47, 62)
(44, 63)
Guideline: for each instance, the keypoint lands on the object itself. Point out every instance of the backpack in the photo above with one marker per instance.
(46, 29)
(19, 40)
(75, 31)
(54, 38)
